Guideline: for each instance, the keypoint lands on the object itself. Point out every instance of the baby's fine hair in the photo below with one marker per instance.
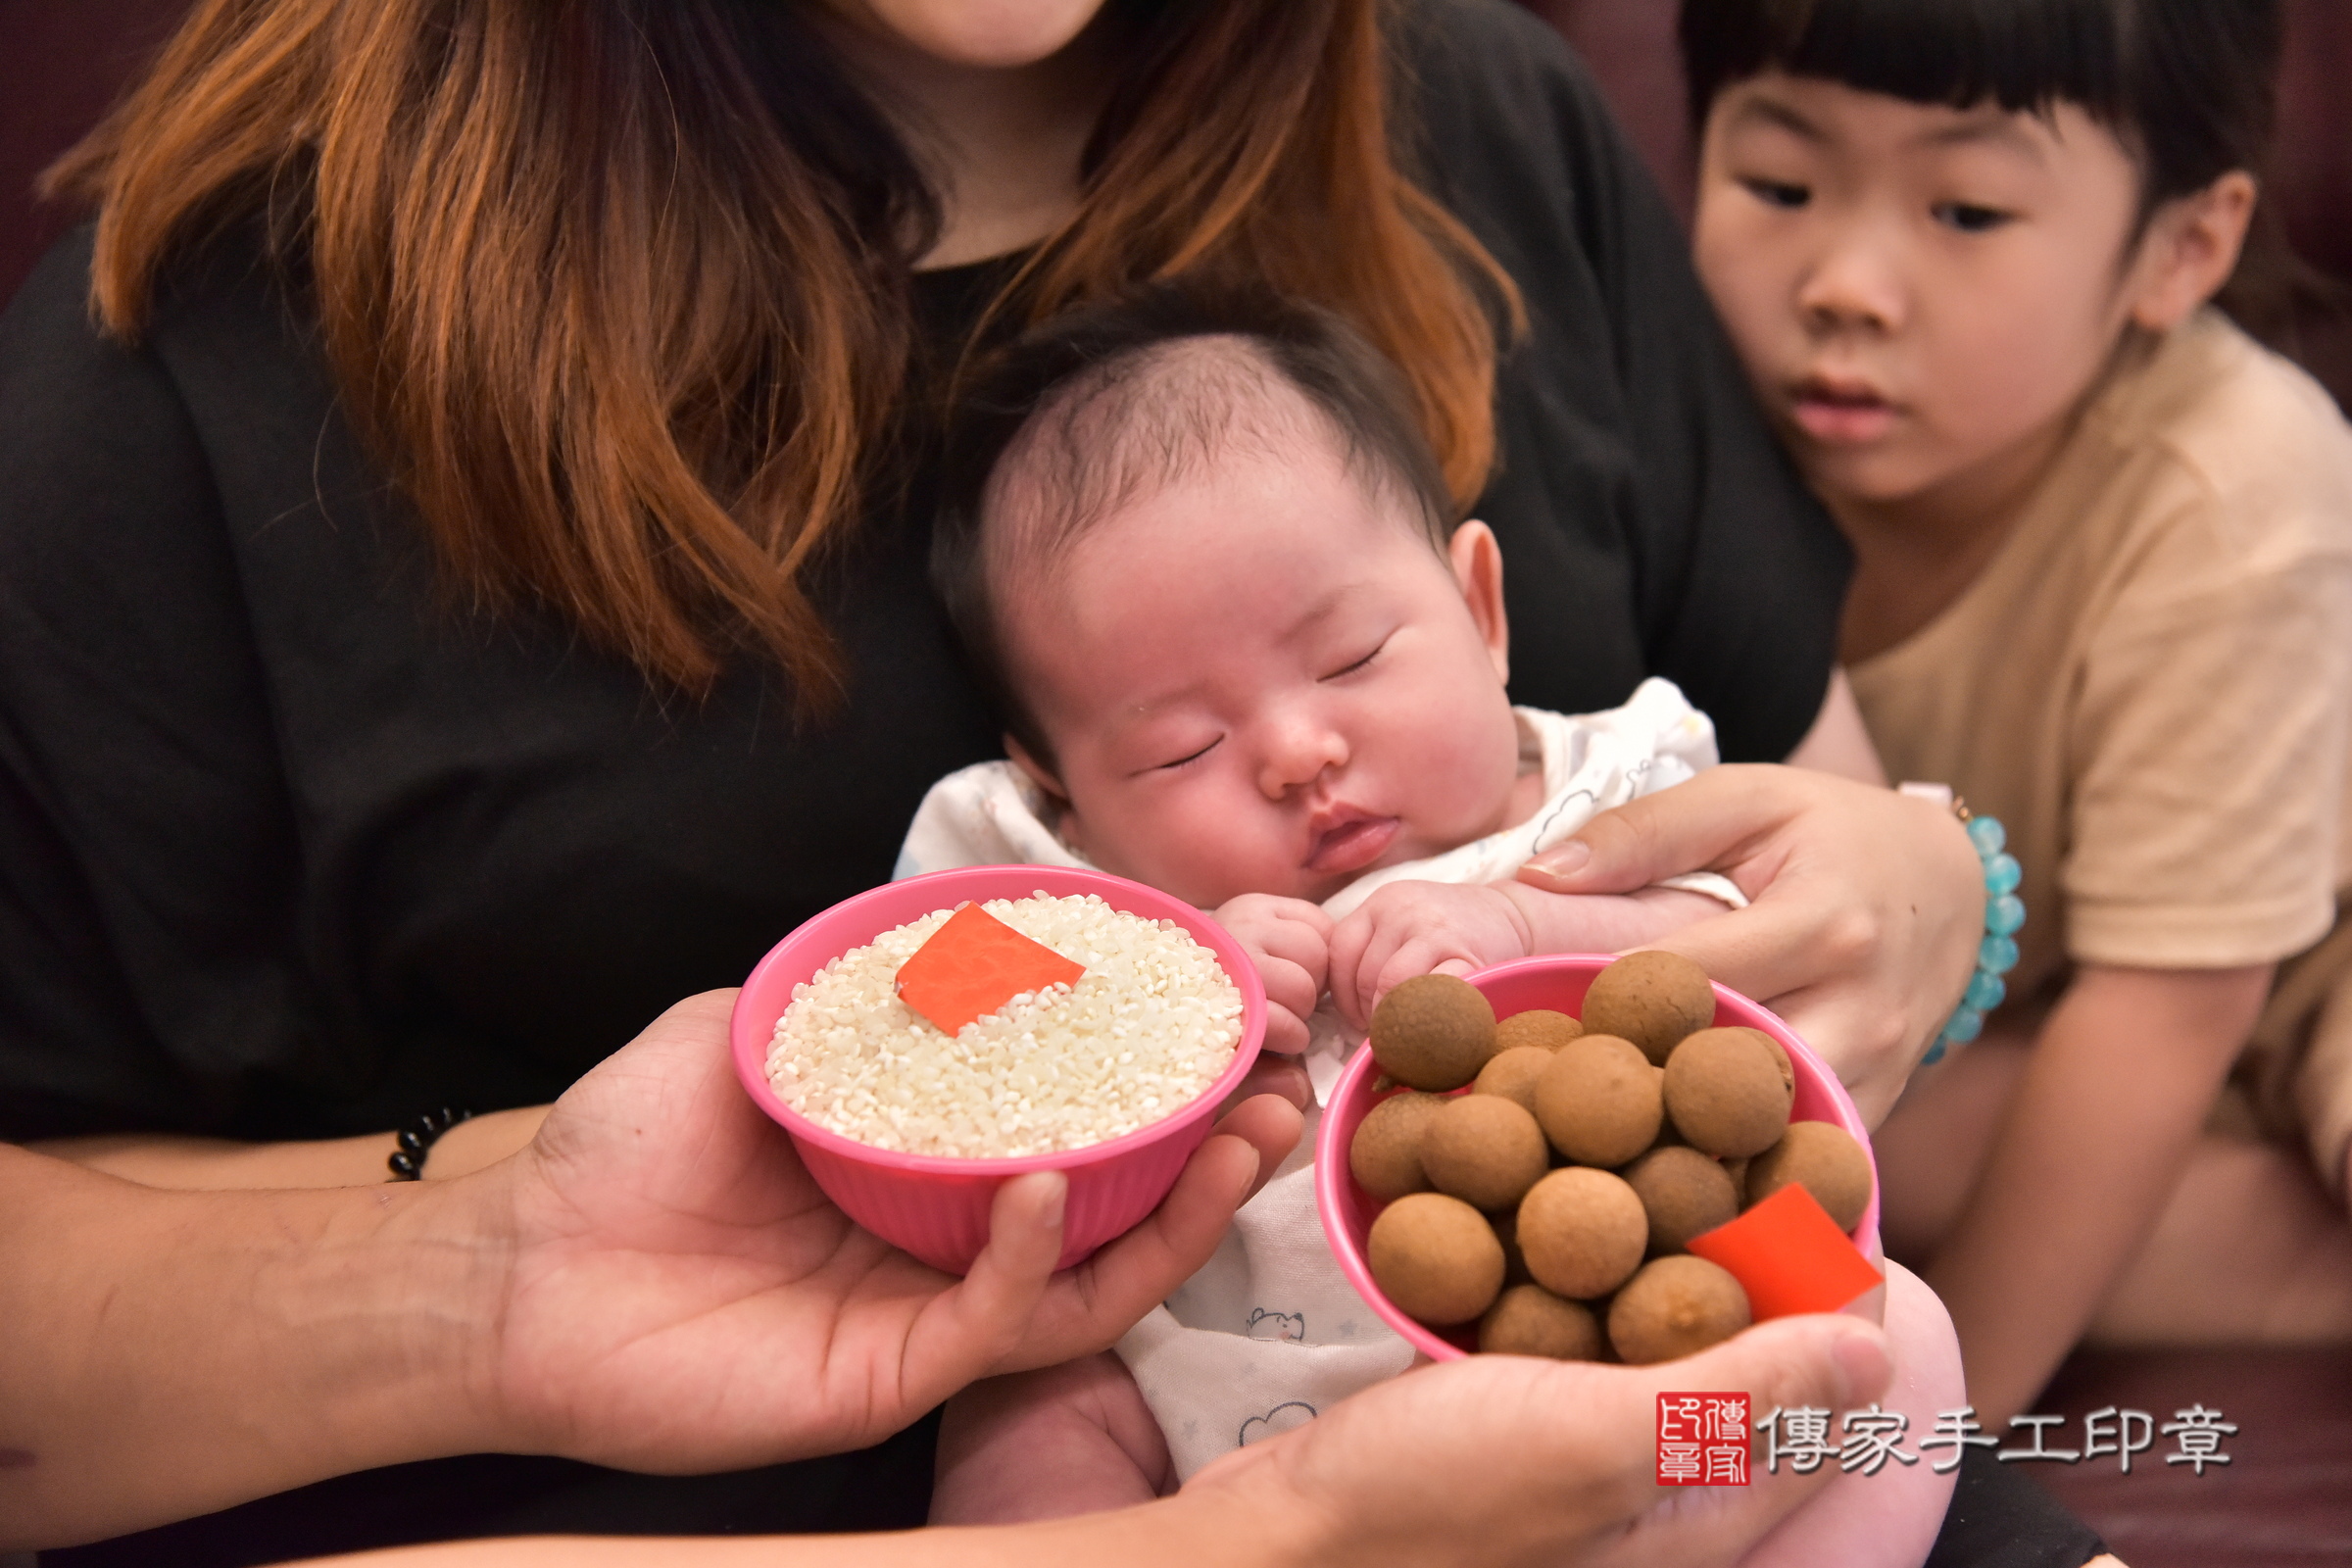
(2188, 87)
(1101, 407)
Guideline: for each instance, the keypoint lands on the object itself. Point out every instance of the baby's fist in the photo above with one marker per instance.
(1290, 941)
(1415, 928)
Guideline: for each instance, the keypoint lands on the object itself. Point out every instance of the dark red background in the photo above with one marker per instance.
(2287, 1499)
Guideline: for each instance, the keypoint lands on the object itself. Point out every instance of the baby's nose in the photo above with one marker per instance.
(1296, 754)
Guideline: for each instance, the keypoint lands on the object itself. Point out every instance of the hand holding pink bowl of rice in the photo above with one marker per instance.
(1113, 1081)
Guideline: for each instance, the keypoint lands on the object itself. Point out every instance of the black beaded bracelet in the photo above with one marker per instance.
(408, 1160)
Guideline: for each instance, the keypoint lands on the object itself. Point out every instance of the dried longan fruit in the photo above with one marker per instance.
(1436, 1259)
(1685, 1194)
(1385, 1155)
(1652, 999)
(1598, 1099)
(1726, 1094)
(1822, 1157)
(1483, 1150)
(1780, 1054)
(1675, 1306)
(1737, 1170)
(1433, 1032)
(1538, 1026)
(1582, 1231)
(1512, 1071)
(1529, 1320)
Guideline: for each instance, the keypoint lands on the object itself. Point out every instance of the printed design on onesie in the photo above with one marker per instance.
(1287, 1416)
(1276, 1327)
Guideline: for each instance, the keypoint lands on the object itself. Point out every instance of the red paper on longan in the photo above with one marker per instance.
(975, 965)
(1789, 1255)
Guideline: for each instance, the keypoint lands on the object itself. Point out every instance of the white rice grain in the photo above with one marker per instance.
(1150, 1026)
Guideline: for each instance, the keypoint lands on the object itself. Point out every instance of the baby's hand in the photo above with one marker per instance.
(1414, 929)
(1290, 941)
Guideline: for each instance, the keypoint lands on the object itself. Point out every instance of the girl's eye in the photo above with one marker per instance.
(1352, 669)
(1968, 218)
(1180, 761)
(1776, 192)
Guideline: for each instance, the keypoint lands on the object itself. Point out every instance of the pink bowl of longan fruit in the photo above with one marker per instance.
(1593, 1159)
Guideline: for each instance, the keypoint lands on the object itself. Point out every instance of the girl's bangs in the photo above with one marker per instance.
(2020, 54)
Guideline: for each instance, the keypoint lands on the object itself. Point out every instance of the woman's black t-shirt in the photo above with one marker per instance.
(298, 844)
(293, 844)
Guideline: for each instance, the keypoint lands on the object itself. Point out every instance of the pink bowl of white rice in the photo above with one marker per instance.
(1113, 1081)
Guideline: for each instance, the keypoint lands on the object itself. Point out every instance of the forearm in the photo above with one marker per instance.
(168, 1354)
(1603, 922)
(2117, 1088)
(218, 1164)
(1178, 1532)
(1837, 743)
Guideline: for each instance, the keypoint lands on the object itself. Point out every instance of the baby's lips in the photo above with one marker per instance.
(1350, 842)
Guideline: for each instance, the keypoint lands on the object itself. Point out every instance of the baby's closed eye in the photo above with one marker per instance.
(1193, 756)
(1356, 663)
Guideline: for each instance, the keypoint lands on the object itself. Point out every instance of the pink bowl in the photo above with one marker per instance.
(937, 1207)
(1558, 981)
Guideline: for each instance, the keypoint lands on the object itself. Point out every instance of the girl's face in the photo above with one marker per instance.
(1922, 295)
(1262, 680)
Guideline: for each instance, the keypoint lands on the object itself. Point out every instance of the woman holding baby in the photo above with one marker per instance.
(466, 590)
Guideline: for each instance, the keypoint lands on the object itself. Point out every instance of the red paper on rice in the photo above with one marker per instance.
(975, 965)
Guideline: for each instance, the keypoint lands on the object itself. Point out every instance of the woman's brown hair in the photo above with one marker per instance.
(617, 288)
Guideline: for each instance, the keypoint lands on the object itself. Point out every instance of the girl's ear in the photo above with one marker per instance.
(2189, 250)
(1036, 771)
(1477, 561)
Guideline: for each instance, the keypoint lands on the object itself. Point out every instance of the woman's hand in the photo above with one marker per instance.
(654, 1283)
(1507, 1461)
(1867, 904)
(680, 1296)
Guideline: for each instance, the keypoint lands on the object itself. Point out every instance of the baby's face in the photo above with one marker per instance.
(1264, 681)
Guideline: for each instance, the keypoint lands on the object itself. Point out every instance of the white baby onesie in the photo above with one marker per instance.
(1269, 1333)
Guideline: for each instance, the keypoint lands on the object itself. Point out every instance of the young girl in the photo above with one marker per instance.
(2104, 574)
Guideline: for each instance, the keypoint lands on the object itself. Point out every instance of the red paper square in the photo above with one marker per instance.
(1790, 1256)
(973, 965)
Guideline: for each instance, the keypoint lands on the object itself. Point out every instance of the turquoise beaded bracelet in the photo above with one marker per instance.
(2004, 918)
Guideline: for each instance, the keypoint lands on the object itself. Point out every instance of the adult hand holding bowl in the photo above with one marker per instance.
(653, 1282)
(683, 1296)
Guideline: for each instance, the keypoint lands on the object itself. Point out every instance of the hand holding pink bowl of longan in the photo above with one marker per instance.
(1592, 1159)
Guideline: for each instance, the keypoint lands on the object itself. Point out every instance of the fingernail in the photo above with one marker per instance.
(1565, 859)
(1050, 1213)
(1863, 1367)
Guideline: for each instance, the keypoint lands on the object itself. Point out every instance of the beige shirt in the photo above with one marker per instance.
(2151, 683)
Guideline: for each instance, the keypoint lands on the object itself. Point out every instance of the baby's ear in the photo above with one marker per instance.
(1036, 771)
(1477, 561)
